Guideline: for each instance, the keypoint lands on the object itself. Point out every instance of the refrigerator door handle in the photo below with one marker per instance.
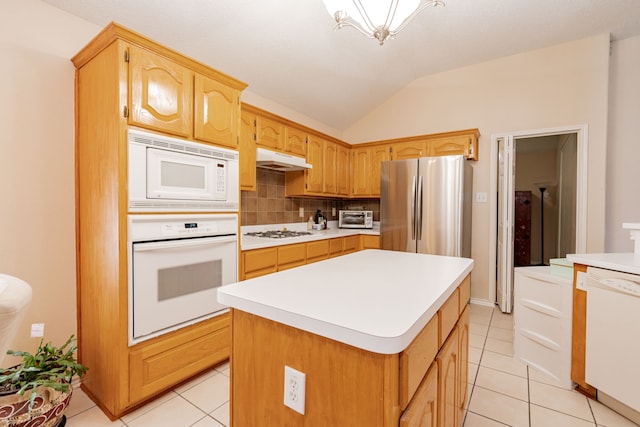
(419, 210)
(413, 208)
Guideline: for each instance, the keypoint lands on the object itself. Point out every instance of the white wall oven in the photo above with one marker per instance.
(177, 263)
(174, 175)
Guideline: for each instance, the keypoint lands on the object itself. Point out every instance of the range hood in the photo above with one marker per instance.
(268, 159)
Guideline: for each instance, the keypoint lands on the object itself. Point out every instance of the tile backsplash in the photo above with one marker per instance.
(268, 204)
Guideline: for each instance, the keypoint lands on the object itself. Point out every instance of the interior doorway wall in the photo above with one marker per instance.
(568, 217)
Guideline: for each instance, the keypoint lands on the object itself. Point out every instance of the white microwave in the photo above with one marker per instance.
(174, 175)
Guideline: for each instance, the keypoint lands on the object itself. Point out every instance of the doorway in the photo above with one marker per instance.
(544, 172)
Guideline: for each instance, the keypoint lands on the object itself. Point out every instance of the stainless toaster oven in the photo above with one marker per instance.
(355, 219)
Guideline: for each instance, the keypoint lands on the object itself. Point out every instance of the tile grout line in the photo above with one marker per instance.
(528, 395)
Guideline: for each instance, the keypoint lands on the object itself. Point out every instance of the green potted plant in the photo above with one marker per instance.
(39, 387)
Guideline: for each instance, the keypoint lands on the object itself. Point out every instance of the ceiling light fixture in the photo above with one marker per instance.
(377, 19)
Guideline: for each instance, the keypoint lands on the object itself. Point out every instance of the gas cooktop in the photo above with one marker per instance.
(278, 234)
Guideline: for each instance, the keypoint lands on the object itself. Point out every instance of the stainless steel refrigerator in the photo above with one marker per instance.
(425, 205)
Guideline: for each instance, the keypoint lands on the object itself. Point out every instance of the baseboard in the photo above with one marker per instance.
(484, 302)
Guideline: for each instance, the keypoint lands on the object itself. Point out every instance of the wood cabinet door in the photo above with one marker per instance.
(330, 177)
(463, 365)
(450, 146)
(409, 150)
(342, 170)
(270, 133)
(161, 93)
(378, 154)
(315, 156)
(295, 141)
(216, 113)
(360, 168)
(448, 385)
(423, 410)
(258, 262)
(247, 151)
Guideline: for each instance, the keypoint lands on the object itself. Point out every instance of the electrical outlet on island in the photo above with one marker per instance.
(294, 389)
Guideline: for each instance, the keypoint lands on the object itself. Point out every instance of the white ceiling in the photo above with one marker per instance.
(287, 51)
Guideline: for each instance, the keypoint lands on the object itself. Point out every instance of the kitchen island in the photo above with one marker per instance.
(381, 337)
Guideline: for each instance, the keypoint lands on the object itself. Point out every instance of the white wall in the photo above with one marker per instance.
(561, 85)
(36, 162)
(623, 155)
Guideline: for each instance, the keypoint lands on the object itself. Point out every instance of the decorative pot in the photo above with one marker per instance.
(47, 411)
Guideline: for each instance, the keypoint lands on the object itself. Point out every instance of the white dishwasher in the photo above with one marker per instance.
(613, 334)
(542, 322)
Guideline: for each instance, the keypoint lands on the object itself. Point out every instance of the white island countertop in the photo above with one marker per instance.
(375, 300)
(626, 262)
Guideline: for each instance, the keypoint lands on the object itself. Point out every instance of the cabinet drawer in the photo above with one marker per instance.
(289, 254)
(260, 261)
(370, 241)
(416, 359)
(423, 411)
(317, 250)
(162, 364)
(465, 293)
(447, 317)
(336, 247)
(350, 244)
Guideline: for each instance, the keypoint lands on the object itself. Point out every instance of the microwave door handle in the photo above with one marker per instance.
(179, 244)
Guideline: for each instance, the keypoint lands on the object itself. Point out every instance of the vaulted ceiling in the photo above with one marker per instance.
(287, 51)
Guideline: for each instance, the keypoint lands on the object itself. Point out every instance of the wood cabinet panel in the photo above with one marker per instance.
(448, 381)
(317, 250)
(259, 262)
(157, 366)
(350, 244)
(336, 246)
(315, 156)
(161, 93)
(290, 256)
(343, 175)
(579, 335)
(409, 150)
(217, 110)
(360, 167)
(369, 241)
(465, 294)
(247, 151)
(295, 141)
(330, 161)
(416, 360)
(463, 365)
(423, 411)
(270, 133)
(378, 155)
(447, 317)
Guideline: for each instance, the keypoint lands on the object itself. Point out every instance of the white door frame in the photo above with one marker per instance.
(581, 190)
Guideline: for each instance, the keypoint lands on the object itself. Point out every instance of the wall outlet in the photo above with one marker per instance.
(37, 330)
(333, 211)
(301, 212)
(481, 197)
(294, 388)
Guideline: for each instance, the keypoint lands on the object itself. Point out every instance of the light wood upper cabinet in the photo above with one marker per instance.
(247, 151)
(330, 177)
(217, 108)
(161, 93)
(315, 156)
(343, 166)
(465, 143)
(270, 133)
(360, 171)
(409, 150)
(295, 141)
(378, 155)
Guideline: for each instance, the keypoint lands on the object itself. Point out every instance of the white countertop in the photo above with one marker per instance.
(626, 262)
(250, 242)
(375, 300)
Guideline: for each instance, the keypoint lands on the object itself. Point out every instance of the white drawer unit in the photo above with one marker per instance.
(542, 322)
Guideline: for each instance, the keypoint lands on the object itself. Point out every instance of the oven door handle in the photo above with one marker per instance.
(185, 243)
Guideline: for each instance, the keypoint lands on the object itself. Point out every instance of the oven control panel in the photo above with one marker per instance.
(162, 227)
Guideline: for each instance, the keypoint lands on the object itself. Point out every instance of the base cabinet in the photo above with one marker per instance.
(345, 385)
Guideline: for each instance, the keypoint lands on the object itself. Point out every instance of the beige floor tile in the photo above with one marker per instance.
(501, 334)
(504, 363)
(474, 355)
(209, 394)
(476, 328)
(543, 417)
(503, 321)
(127, 418)
(502, 382)
(499, 346)
(607, 417)
(475, 420)
(569, 402)
(208, 422)
(499, 407)
(480, 319)
(480, 309)
(195, 381)
(473, 371)
(176, 412)
(93, 417)
(80, 402)
(222, 414)
(476, 340)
